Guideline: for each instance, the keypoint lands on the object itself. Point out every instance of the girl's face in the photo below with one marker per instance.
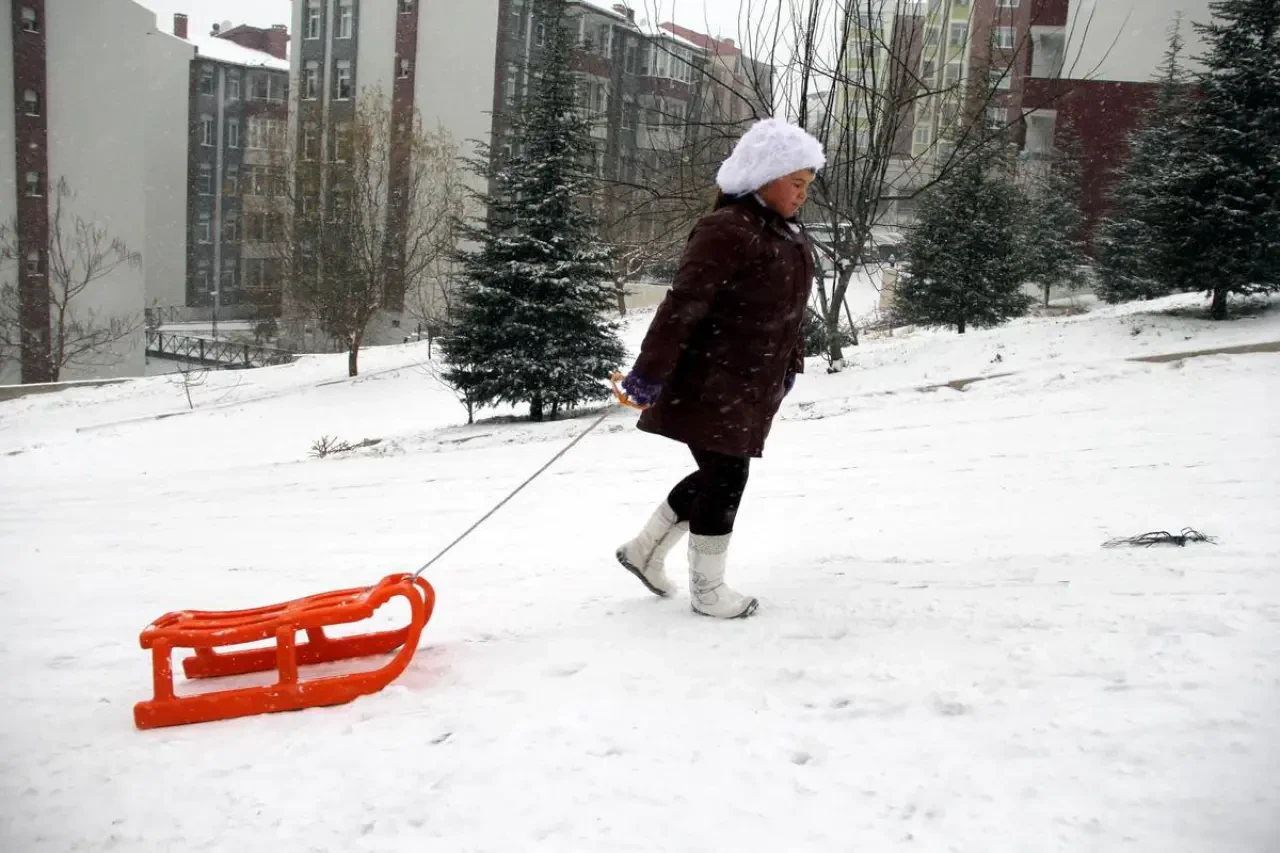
(788, 194)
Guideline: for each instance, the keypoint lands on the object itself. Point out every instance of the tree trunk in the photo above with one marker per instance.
(535, 409)
(1046, 296)
(853, 327)
(960, 325)
(1219, 309)
(622, 299)
(831, 313)
(835, 352)
(353, 355)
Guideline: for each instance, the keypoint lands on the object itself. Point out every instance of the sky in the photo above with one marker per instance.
(721, 14)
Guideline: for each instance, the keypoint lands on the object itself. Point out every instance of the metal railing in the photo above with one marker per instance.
(215, 353)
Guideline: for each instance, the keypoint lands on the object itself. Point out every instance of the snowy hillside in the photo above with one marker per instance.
(945, 658)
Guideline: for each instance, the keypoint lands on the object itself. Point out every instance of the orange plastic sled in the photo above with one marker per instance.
(205, 632)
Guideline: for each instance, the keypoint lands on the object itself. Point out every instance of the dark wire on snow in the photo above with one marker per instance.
(1162, 537)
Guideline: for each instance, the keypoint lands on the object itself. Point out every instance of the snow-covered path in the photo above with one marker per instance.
(945, 658)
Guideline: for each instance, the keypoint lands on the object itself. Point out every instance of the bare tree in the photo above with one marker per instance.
(899, 92)
(188, 376)
(78, 255)
(369, 218)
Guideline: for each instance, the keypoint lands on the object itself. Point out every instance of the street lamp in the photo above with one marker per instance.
(214, 294)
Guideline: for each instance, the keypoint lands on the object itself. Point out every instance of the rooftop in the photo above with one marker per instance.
(222, 50)
(606, 9)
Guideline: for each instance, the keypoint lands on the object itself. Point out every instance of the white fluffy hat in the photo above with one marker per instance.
(770, 149)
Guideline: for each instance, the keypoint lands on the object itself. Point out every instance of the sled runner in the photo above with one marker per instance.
(205, 632)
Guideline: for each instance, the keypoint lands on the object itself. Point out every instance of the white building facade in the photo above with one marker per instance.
(87, 95)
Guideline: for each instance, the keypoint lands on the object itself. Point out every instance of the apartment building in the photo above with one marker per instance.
(1039, 69)
(429, 57)
(665, 103)
(90, 96)
(645, 87)
(1089, 73)
(237, 121)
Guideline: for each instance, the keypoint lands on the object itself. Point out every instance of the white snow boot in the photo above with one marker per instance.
(708, 556)
(645, 556)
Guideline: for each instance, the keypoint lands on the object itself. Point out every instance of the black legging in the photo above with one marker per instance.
(708, 498)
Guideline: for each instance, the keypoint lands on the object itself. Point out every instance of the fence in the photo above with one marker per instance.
(228, 354)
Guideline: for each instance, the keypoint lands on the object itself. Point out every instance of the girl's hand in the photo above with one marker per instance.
(641, 392)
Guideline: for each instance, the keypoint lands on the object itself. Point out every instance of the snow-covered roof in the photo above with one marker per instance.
(225, 50)
(603, 9)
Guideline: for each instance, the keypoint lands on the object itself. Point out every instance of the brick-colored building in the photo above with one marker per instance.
(237, 125)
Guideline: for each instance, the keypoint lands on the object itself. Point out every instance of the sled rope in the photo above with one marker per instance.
(622, 400)
(520, 488)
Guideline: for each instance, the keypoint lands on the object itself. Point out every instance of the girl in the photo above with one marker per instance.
(722, 353)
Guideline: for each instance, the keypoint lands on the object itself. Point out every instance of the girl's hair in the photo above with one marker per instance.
(723, 200)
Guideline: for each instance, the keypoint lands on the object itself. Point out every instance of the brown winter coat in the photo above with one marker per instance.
(729, 331)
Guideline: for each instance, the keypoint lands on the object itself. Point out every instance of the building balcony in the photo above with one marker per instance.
(1048, 52)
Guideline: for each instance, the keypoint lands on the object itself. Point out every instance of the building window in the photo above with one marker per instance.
(311, 81)
(1001, 78)
(929, 71)
(35, 186)
(260, 87)
(233, 133)
(31, 101)
(204, 180)
(29, 21)
(406, 67)
(1003, 37)
(233, 85)
(341, 142)
(310, 142)
(206, 80)
(342, 80)
(264, 181)
(312, 25)
(266, 133)
(629, 57)
(959, 34)
(204, 234)
(231, 229)
(207, 129)
(952, 75)
(924, 135)
(346, 18)
(202, 277)
(997, 118)
(540, 35)
(35, 263)
(231, 181)
(228, 280)
(265, 227)
(606, 41)
(512, 84)
(931, 36)
(259, 274)
(406, 6)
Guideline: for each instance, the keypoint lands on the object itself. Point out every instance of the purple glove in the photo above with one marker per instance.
(641, 391)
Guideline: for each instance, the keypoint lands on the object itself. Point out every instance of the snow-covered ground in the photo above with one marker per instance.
(945, 658)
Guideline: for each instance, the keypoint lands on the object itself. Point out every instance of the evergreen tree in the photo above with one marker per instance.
(966, 265)
(1135, 241)
(1051, 227)
(531, 324)
(1227, 224)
